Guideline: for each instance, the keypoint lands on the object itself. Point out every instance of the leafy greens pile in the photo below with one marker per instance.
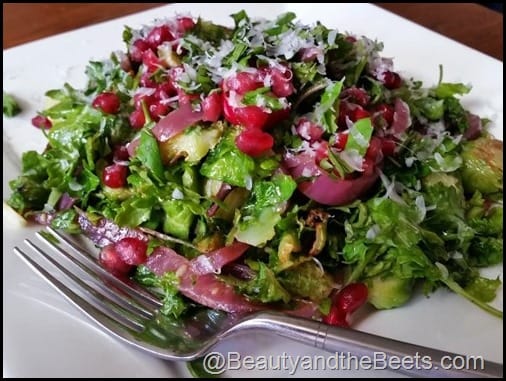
(299, 141)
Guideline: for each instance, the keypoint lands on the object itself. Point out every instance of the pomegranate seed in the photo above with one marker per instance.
(110, 259)
(132, 251)
(281, 83)
(351, 39)
(229, 112)
(147, 99)
(137, 119)
(185, 98)
(351, 297)
(368, 166)
(158, 110)
(251, 117)
(350, 111)
(276, 117)
(341, 140)
(212, 107)
(359, 113)
(356, 95)
(114, 176)
(158, 35)
(151, 61)
(347, 301)
(164, 90)
(137, 49)
(336, 317)
(388, 147)
(42, 122)
(386, 111)
(282, 89)
(392, 80)
(308, 130)
(121, 153)
(243, 82)
(184, 24)
(321, 150)
(146, 80)
(374, 150)
(107, 102)
(254, 142)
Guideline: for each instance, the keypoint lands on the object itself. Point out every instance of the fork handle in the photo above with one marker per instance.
(344, 342)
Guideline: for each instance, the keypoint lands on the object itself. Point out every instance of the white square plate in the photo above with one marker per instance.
(46, 337)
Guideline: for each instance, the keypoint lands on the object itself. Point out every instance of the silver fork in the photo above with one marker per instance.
(129, 313)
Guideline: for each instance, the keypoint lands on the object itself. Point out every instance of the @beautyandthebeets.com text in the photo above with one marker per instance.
(218, 363)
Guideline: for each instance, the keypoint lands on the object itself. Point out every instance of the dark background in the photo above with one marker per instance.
(495, 6)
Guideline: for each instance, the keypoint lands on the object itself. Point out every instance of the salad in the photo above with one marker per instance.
(272, 165)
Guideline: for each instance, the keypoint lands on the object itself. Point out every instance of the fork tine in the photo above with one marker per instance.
(100, 301)
(102, 316)
(124, 299)
(117, 296)
(141, 295)
(93, 311)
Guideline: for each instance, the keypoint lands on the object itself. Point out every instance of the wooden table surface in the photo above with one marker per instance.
(471, 24)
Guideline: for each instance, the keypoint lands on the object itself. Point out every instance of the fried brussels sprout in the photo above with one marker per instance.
(389, 292)
(307, 280)
(482, 166)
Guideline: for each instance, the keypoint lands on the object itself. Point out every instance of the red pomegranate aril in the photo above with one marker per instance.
(388, 147)
(276, 117)
(140, 98)
(110, 259)
(147, 80)
(132, 251)
(281, 83)
(212, 107)
(254, 142)
(185, 98)
(229, 113)
(336, 317)
(121, 153)
(151, 61)
(347, 301)
(392, 80)
(107, 102)
(351, 297)
(321, 150)
(368, 166)
(356, 95)
(344, 111)
(251, 117)
(137, 119)
(42, 122)
(243, 82)
(308, 130)
(374, 151)
(158, 35)
(158, 110)
(164, 90)
(185, 24)
(341, 140)
(359, 113)
(386, 111)
(137, 49)
(282, 89)
(114, 176)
